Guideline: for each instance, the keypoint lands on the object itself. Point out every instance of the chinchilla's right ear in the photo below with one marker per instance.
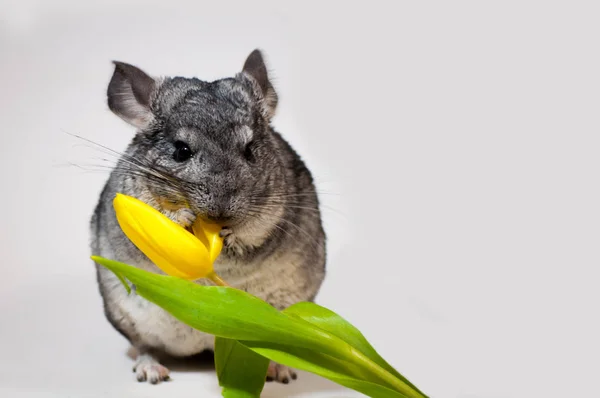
(130, 94)
(256, 68)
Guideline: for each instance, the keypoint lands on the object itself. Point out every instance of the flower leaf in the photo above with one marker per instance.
(220, 311)
(336, 370)
(335, 324)
(124, 282)
(241, 371)
(234, 314)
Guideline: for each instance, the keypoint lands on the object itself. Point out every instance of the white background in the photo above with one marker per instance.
(456, 145)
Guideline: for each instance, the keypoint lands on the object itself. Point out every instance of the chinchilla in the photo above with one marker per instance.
(207, 149)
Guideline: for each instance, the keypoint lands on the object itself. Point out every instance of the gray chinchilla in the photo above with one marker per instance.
(209, 145)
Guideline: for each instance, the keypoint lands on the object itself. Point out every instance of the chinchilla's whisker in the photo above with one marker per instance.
(315, 243)
(157, 177)
(123, 157)
(285, 203)
(301, 230)
(313, 212)
(309, 193)
(290, 206)
(311, 238)
(147, 168)
(258, 217)
(70, 164)
(95, 144)
(293, 205)
(163, 186)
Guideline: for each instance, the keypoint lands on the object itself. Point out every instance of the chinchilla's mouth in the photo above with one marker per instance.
(226, 233)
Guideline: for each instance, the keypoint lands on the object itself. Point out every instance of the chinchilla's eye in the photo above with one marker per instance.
(182, 151)
(248, 152)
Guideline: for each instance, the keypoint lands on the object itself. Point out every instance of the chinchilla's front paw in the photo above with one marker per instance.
(184, 216)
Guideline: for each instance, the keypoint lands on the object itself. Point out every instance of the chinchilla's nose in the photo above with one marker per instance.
(219, 211)
(221, 218)
(221, 199)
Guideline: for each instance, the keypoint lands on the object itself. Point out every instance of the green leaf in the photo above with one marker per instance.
(220, 311)
(124, 282)
(336, 370)
(338, 326)
(241, 371)
(234, 314)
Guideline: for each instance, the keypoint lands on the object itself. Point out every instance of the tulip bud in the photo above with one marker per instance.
(167, 244)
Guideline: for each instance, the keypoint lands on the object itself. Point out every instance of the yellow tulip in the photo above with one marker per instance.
(167, 244)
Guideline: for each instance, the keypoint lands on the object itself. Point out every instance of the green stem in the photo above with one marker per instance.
(216, 279)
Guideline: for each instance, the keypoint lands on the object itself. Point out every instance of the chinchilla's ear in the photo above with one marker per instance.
(130, 94)
(255, 68)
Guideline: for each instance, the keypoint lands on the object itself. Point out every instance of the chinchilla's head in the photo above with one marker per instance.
(204, 145)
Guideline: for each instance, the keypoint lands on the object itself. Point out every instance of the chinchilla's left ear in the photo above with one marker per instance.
(130, 94)
(255, 68)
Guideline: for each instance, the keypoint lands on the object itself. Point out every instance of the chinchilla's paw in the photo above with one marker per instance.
(148, 369)
(184, 216)
(228, 237)
(280, 373)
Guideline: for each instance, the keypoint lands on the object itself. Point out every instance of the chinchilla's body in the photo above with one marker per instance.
(207, 149)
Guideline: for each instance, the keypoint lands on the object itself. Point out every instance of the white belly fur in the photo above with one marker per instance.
(157, 328)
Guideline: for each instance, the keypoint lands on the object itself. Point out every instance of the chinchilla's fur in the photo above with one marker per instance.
(207, 149)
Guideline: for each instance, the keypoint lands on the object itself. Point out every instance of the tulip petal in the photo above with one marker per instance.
(210, 234)
(171, 247)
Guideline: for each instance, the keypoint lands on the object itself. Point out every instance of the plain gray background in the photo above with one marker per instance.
(455, 143)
